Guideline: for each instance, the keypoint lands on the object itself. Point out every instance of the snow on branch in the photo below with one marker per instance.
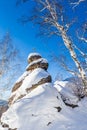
(75, 4)
(82, 38)
(82, 32)
(81, 52)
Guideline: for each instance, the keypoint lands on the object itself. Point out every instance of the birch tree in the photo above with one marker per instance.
(49, 15)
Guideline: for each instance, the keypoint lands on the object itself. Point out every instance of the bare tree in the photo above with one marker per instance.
(49, 15)
(9, 64)
(82, 32)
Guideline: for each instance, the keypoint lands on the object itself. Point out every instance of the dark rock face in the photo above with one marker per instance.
(11, 99)
(3, 107)
(7, 126)
(16, 86)
(35, 62)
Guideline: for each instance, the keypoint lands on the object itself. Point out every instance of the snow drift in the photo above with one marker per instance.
(35, 104)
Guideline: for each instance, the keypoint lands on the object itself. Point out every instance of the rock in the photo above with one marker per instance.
(71, 91)
(40, 105)
(16, 86)
(33, 57)
(11, 98)
(41, 63)
(42, 81)
(35, 75)
(4, 125)
(3, 107)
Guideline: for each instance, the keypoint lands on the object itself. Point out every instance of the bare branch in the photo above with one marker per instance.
(75, 4)
(82, 38)
(69, 70)
(81, 52)
(9, 62)
(68, 25)
(82, 32)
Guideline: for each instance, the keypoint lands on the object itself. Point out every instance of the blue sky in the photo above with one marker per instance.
(25, 38)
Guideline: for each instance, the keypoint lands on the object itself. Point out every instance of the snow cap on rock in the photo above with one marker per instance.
(33, 57)
(36, 61)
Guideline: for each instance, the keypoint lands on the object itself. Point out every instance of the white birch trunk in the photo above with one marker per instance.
(69, 46)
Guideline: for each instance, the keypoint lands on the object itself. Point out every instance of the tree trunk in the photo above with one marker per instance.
(69, 46)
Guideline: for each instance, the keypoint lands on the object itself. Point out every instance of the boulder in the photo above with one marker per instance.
(33, 57)
(35, 75)
(40, 63)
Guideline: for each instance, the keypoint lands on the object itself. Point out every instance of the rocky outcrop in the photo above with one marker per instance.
(36, 74)
(33, 96)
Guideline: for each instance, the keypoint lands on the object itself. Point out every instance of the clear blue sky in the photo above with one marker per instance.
(25, 36)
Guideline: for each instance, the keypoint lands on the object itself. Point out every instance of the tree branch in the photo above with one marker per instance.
(75, 4)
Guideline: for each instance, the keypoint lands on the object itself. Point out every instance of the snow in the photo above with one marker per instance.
(65, 89)
(33, 54)
(33, 78)
(43, 107)
(23, 76)
(1, 128)
(37, 111)
(40, 102)
(42, 60)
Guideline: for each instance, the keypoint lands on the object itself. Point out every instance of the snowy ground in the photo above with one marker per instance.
(38, 111)
(42, 108)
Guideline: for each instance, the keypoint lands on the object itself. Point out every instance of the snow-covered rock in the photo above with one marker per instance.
(3, 107)
(42, 109)
(33, 57)
(34, 76)
(40, 106)
(37, 110)
(70, 90)
(40, 63)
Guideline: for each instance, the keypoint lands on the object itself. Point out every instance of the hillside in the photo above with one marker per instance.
(42, 110)
(44, 106)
